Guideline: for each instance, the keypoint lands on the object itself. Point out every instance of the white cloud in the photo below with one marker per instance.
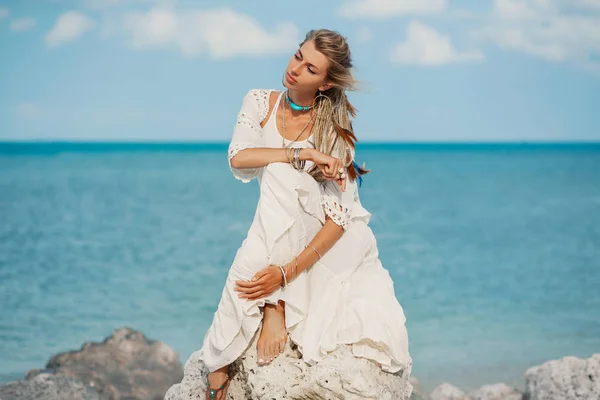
(426, 47)
(379, 9)
(28, 110)
(22, 24)
(220, 33)
(68, 27)
(548, 29)
(3, 12)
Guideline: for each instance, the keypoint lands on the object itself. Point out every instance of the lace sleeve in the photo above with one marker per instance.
(343, 207)
(247, 132)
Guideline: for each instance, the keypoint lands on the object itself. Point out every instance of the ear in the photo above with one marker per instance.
(325, 87)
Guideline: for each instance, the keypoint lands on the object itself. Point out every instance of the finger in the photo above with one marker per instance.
(245, 284)
(250, 291)
(256, 296)
(330, 168)
(260, 274)
(249, 285)
(344, 185)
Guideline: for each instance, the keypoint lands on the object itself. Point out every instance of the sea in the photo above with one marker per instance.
(494, 249)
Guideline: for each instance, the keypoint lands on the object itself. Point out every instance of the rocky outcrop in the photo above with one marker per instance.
(340, 375)
(48, 387)
(418, 393)
(497, 391)
(126, 365)
(129, 366)
(568, 378)
(446, 391)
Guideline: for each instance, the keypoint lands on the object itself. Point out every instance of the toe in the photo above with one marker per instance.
(282, 345)
(260, 354)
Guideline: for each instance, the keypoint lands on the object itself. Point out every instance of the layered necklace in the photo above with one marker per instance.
(288, 100)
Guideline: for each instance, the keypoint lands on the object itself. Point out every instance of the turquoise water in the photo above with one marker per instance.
(494, 249)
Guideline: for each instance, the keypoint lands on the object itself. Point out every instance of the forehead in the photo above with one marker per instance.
(311, 55)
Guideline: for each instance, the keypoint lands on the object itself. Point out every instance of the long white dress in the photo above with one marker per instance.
(346, 297)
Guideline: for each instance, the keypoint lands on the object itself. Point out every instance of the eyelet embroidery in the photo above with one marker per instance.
(336, 211)
(246, 174)
(249, 120)
(262, 100)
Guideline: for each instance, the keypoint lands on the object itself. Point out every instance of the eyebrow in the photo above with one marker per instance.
(312, 65)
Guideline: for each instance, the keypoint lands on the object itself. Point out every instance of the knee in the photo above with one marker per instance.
(281, 176)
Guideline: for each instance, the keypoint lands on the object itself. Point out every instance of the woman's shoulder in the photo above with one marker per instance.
(262, 99)
(261, 94)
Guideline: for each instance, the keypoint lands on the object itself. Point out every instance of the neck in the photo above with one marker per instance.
(301, 98)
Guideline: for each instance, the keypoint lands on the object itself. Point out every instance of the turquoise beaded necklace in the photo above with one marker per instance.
(295, 106)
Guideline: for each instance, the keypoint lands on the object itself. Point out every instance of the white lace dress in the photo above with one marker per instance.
(346, 297)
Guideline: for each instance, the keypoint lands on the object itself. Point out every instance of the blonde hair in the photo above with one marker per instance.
(332, 129)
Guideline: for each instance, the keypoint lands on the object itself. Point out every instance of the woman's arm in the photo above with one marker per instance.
(269, 279)
(261, 156)
(341, 207)
(324, 240)
(253, 158)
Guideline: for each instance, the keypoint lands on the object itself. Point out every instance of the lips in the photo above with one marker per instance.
(289, 78)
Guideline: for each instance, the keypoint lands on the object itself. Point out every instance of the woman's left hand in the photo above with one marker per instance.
(264, 282)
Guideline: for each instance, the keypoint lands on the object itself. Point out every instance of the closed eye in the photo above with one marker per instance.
(297, 57)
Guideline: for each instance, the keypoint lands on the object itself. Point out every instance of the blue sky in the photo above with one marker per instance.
(432, 70)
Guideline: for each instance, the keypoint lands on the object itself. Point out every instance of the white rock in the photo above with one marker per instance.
(496, 391)
(446, 391)
(340, 375)
(567, 378)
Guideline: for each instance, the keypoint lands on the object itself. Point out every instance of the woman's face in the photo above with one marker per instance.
(307, 70)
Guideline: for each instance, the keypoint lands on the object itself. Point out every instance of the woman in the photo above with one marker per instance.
(309, 266)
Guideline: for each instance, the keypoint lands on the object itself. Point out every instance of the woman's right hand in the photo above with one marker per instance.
(329, 166)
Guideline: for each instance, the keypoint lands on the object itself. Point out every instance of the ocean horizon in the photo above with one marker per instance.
(493, 248)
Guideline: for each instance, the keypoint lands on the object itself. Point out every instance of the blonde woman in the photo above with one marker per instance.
(309, 266)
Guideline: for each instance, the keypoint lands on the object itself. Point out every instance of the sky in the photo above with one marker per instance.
(430, 70)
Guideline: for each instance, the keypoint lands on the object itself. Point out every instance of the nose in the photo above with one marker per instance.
(296, 69)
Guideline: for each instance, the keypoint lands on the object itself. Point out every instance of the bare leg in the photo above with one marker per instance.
(215, 380)
(273, 335)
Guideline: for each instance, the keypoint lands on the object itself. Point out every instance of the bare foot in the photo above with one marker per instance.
(218, 381)
(273, 335)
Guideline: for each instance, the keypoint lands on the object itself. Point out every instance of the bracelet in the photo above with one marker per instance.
(296, 268)
(298, 163)
(302, 162)
(288, 154)
(296, 157)
(319, 254)
(284, 282)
